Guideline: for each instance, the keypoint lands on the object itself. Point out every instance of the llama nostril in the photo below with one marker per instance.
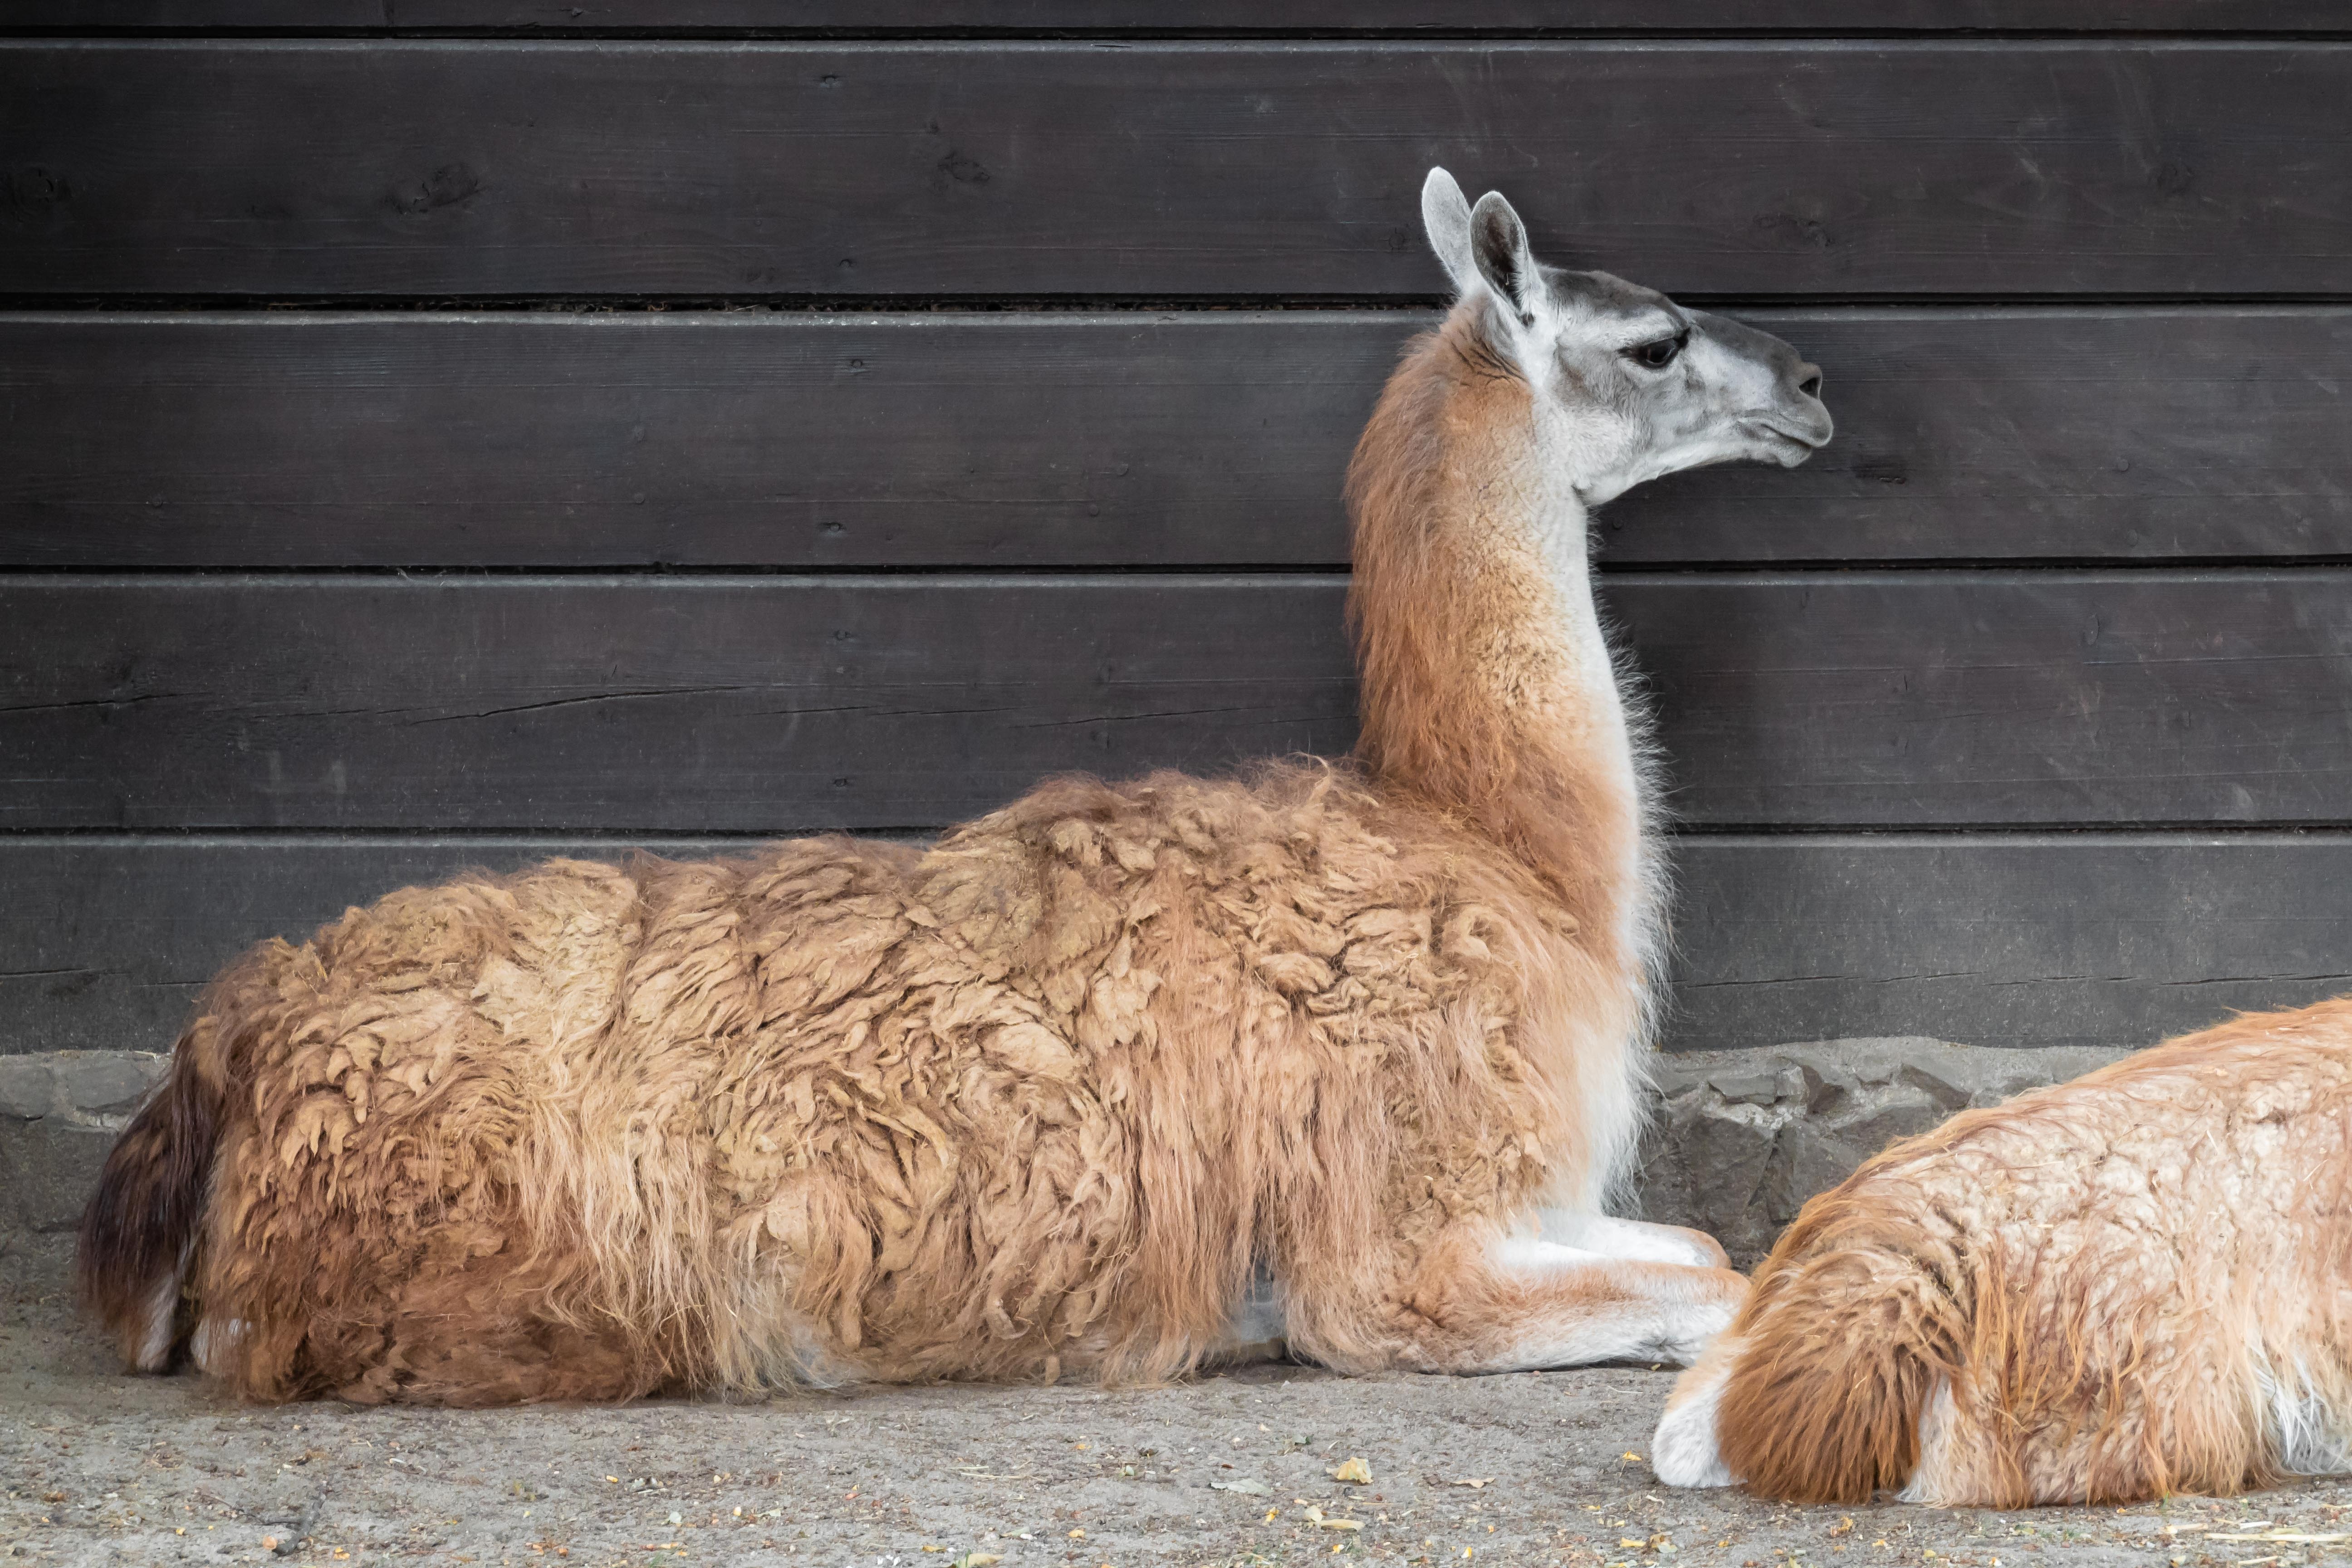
(1811, 385)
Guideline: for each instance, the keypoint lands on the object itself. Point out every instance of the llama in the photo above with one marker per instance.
(1116, 1082)
(2121, 1287)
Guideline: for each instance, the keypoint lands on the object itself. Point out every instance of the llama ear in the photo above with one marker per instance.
(1445, 213)
(1498, 243)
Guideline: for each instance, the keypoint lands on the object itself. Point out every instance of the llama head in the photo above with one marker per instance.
(1628, 386)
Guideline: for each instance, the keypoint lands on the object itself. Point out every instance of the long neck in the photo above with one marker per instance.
(1487, 689)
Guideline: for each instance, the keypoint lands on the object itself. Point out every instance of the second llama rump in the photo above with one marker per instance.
(2125, 1286)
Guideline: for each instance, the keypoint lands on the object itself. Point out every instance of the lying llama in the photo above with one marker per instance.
(2121, 1287)
(1115, 1080)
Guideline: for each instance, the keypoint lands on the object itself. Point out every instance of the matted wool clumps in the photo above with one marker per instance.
(592, 1131)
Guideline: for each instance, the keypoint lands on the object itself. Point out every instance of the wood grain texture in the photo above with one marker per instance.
(1206, 438)
(2013, 940)
(698, 439)
(376, 166)
(728, 703)
(774, 704)
(1227, 16)
(2077, 939)
(1990, 698)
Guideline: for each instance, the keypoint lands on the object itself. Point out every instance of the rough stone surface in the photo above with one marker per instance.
(58, 1114)
(1743, 1138)
(49, 1170)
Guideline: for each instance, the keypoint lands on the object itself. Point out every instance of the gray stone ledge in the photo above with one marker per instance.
(91, 1089)
(59, 1111)
(1741, 1138)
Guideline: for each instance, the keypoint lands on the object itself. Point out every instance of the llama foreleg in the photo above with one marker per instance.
(1530, 1306)
(1633, 1239)
(157, 1330)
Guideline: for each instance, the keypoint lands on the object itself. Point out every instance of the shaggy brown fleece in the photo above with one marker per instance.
(2121, 1287)
(1036, 1100)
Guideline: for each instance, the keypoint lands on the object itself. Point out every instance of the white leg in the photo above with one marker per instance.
(1684, 1449)
(1934, 1480)
(2309, 1434)
(161, 1332)
(1629, 1239)
(163, 1317)
(1560, 1306)
(209, 1345)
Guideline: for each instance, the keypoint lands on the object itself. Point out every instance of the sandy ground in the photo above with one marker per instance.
(1234, 1469)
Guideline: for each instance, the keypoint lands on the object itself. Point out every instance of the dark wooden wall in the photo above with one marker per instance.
(435, 434)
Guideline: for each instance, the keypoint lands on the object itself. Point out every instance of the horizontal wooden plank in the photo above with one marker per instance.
(197, 16)
(458, 168)
(767, 704)
(2078, 939)
(734, 704)
(744, 438)
(1982, 697)
(1204, 438)
(1224, 17)
(2019, 940)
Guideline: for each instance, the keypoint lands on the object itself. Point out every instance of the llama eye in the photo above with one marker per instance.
(1659, 355)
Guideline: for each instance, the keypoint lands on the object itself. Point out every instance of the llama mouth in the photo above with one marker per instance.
(1790, 446)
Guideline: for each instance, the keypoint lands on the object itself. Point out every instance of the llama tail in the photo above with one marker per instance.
(139, 1233)
(1838, 1357)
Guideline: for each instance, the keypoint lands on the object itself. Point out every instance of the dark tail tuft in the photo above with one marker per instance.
(137, 1232)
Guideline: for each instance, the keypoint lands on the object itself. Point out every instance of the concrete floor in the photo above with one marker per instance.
(104, 1468)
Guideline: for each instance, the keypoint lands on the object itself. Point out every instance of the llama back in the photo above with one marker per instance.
(2110, 1289)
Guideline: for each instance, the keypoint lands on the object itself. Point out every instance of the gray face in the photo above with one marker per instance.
(1628, 385)
(1642, 387)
